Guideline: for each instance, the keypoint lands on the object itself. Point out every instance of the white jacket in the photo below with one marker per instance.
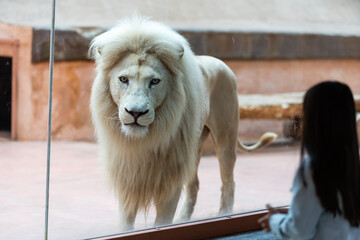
(306, 219)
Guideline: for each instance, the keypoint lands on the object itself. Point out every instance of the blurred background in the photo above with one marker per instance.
(276, 48)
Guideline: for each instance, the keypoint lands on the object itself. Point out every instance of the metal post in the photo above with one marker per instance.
(51, 68)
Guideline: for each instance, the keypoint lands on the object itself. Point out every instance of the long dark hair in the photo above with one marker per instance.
(329, 138)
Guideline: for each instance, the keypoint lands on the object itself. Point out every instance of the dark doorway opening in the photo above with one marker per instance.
(5, 94)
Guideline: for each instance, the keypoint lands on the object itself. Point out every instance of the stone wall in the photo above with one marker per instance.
(72, 83)
(269, 70)
(71, 118)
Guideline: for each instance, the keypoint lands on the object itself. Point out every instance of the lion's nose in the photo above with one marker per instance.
(136, 114)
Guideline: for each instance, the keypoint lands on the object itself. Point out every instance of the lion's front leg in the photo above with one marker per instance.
(190, 197)
(127, 218)
(165, 210)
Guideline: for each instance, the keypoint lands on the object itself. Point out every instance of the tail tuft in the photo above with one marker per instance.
(264, 140)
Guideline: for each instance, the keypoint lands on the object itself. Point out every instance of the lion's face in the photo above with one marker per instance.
(138, 86)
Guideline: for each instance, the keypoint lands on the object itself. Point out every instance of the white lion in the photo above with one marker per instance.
(153, 104)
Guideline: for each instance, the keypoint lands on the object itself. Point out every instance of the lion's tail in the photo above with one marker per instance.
(265, 140)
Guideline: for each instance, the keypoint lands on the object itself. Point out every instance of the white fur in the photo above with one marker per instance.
(148, 165)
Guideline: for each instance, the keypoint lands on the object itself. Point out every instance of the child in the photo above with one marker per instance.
(326, 189)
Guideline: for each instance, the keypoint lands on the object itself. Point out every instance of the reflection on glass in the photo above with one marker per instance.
(264, 57)
(127, 140)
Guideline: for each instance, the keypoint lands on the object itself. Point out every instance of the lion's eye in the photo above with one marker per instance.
(124, 79)
(154, 81)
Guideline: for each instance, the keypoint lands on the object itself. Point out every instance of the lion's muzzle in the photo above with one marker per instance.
(135, 121)
(136, 115)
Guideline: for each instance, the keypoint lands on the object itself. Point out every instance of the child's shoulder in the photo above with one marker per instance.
(303, 173)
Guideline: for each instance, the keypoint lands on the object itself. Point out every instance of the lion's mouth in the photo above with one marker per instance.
(134, 124)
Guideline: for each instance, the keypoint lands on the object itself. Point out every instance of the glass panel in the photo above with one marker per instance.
(271, 77)
(23, 123)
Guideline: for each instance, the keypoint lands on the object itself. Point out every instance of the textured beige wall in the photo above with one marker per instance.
(327, 16)
(71, 92)
(24, 107)
(281, 76)
(72, 84)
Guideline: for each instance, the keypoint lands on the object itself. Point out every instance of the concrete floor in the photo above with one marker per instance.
(83, 206)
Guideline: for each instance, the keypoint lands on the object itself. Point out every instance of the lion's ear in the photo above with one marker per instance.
(99, 49)
(95, 50)
(181, 52)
